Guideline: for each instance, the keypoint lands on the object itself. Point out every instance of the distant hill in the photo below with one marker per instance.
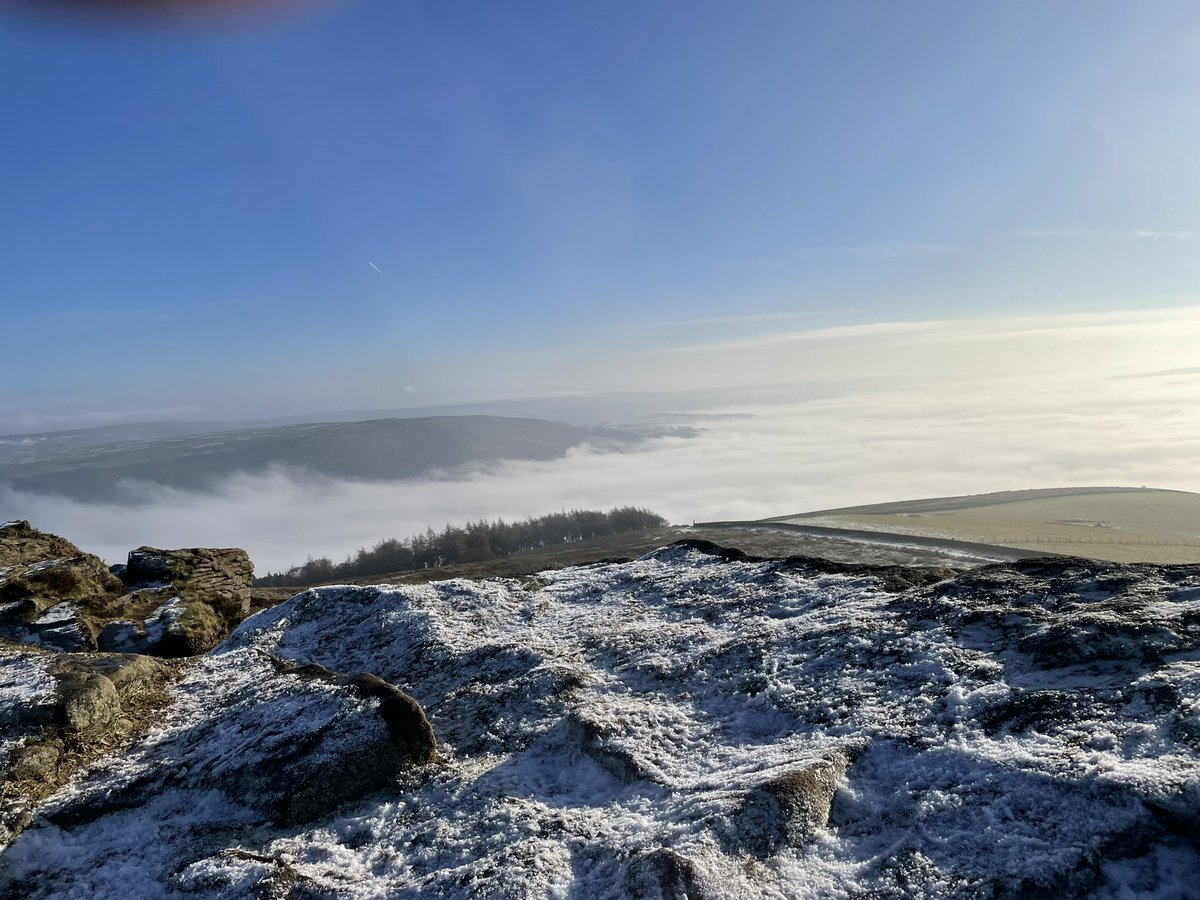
(1121, 524)
(16, 448)
(376, 450)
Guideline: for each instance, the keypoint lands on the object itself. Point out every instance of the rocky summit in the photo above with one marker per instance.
(45, 583)
(161, 602)
(694, 723)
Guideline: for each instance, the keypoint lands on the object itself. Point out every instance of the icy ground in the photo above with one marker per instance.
(1021, 730)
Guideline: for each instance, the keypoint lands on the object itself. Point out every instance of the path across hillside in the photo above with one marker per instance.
(959, 551)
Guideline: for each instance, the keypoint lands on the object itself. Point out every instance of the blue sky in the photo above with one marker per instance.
(392, 202)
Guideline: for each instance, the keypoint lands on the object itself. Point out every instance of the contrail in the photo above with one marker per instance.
(379, 270)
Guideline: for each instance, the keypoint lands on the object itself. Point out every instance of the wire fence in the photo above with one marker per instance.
(1063, 539)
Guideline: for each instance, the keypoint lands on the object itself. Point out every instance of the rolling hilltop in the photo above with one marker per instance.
(1120, 524)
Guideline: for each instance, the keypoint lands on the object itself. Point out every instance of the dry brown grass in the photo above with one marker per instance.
(141, 707)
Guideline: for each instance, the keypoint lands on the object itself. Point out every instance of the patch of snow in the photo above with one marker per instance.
(59, 614)
(45, 565)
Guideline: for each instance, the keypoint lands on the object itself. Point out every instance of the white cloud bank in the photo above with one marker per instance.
(1031, 404)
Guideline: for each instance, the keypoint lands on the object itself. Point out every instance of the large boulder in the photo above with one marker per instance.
(181, 602)
(291, 744)
(164, 602)
(45, 581)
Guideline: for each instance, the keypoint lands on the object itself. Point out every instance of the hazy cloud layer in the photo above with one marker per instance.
(754, 348)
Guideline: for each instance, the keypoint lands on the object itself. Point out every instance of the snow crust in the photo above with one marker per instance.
(24, 683)
(597, 716)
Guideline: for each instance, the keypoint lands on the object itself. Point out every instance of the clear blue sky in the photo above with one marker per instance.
(189, 213)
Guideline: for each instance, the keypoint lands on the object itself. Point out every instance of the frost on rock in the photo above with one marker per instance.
(26, 686)
(683, 725)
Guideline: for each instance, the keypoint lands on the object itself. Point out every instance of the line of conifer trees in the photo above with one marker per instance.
(476, 542)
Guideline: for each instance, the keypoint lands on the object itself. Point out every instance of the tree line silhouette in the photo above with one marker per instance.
(476, 542)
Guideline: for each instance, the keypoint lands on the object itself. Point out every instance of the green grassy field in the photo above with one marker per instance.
(1122, 525)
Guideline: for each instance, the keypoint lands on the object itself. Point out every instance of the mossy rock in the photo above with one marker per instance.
(49, 589)
(47, 569)
(22, 544)
(129, 672)
(99, 700)
(194, 629)
(220, 577)
(40, 571)
(39, 585)
(87, 702)
(36, 760)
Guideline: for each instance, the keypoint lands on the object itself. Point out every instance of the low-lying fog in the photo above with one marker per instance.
(1030, 407)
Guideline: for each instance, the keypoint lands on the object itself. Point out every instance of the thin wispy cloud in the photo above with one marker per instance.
(1164, 373)
(831, 333)
(747, 319)
(1166, 235)
(883, 249)
(887, 250)
(1151, 234)
(1119, 323)
(903, 250)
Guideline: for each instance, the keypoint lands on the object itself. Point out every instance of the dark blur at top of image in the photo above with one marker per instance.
(171, 13)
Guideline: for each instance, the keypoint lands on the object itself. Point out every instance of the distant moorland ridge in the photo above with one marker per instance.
(374, 450)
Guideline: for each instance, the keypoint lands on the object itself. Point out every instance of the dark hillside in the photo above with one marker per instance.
(376, 450)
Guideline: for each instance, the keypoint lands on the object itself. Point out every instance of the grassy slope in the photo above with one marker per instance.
(1126, 525)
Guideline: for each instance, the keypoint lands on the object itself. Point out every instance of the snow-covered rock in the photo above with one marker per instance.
(685, 724)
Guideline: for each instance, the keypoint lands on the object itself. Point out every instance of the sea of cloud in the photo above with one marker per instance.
(939, 408)
(867, 445)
